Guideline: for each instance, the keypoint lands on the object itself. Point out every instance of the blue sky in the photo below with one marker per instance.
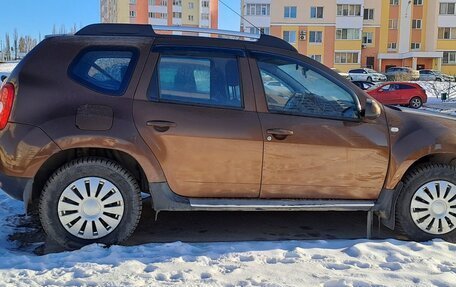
(32, 17)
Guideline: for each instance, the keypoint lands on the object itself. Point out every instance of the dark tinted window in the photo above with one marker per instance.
(106, 71)
(357, 71)
(212, 81)
(405, 87)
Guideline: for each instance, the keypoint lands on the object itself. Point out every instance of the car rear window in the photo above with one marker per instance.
(104, 70)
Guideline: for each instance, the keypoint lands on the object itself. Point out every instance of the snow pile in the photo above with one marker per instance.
(281, 263)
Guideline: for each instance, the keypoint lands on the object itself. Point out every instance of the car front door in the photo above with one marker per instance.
(198, 117)
(315, 143)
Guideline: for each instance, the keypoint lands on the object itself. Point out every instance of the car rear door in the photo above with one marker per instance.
(195, 109)
(315, 144)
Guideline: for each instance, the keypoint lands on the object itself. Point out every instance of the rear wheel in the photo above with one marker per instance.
(90, 200)
(416, 103)
(426, 207)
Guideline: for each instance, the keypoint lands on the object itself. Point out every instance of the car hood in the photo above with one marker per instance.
(378, 75)
(425, 113)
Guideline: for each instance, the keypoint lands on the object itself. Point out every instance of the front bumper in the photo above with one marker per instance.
(15, 186)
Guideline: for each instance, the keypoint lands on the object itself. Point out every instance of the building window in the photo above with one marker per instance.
(316, 58)
(415, 46)
(259, 30)
(447, 8)
(368, 14)
(347, 34)
(449, 57)
(177, 2)
(204, 16)
(417, 2)
(205, 3)
(162, 2)
(392, 24)
(190, 17)
(132, 13)
(290, 36)
(258, 9)
(316, 12)
(347, 58)
(392, 46)
(368, 37)
(315, 37)
(416, 24)
(394, 2)
(348, 10)
(289, 12)
(191, 5)
(447, 33)
(133, 2)
(177, 15)
(157, 15)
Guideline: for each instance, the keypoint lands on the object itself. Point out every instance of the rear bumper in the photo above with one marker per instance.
(14, 186)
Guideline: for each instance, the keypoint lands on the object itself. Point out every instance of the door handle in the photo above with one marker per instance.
(161, 126)
(279, 132)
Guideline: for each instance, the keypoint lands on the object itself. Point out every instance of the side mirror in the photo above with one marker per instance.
(3, 78)
(372, 109)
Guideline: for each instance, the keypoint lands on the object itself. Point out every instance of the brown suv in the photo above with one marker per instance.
(90, 121)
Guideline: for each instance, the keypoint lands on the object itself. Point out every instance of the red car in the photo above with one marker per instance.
(399, 93)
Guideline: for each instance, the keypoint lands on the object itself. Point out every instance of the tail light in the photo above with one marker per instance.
(6, 103)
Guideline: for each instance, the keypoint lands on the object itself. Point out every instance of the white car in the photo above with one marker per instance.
(345, 75)
(365, 74)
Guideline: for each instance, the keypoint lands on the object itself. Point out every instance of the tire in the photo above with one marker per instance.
(112, 190)
(369, 79)
(408, 212)
(415, 103)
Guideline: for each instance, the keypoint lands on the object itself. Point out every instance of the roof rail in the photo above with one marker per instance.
(205, 31)
(144, 30)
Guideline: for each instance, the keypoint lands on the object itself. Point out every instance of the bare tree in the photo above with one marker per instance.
(7, 47)
(54, 30)
(15, 43)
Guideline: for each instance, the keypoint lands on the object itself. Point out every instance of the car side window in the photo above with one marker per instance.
(305, 91)
(208, 81)
(107, 71)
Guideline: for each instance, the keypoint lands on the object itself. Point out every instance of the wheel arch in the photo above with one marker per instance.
(386, 203)
(60, 158)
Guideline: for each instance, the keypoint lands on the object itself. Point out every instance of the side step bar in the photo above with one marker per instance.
(280, 205)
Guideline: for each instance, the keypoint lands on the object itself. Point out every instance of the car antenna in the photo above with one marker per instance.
(242, 17)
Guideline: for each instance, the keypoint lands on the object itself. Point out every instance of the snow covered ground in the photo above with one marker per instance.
(261, 263)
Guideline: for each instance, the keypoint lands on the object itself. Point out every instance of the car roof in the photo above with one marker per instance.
(144, 30)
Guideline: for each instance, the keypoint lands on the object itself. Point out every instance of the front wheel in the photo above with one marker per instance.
(415, 103)
(90, 200)
(426, 207)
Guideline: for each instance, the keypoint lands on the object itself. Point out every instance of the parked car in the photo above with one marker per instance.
(364, 85)
(402, 74)
(123, 110)
(343, 74)
(365, 74)
(399, 93)
(433, 75)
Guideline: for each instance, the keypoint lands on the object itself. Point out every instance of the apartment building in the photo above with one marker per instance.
(195, 13)
(348, 34)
